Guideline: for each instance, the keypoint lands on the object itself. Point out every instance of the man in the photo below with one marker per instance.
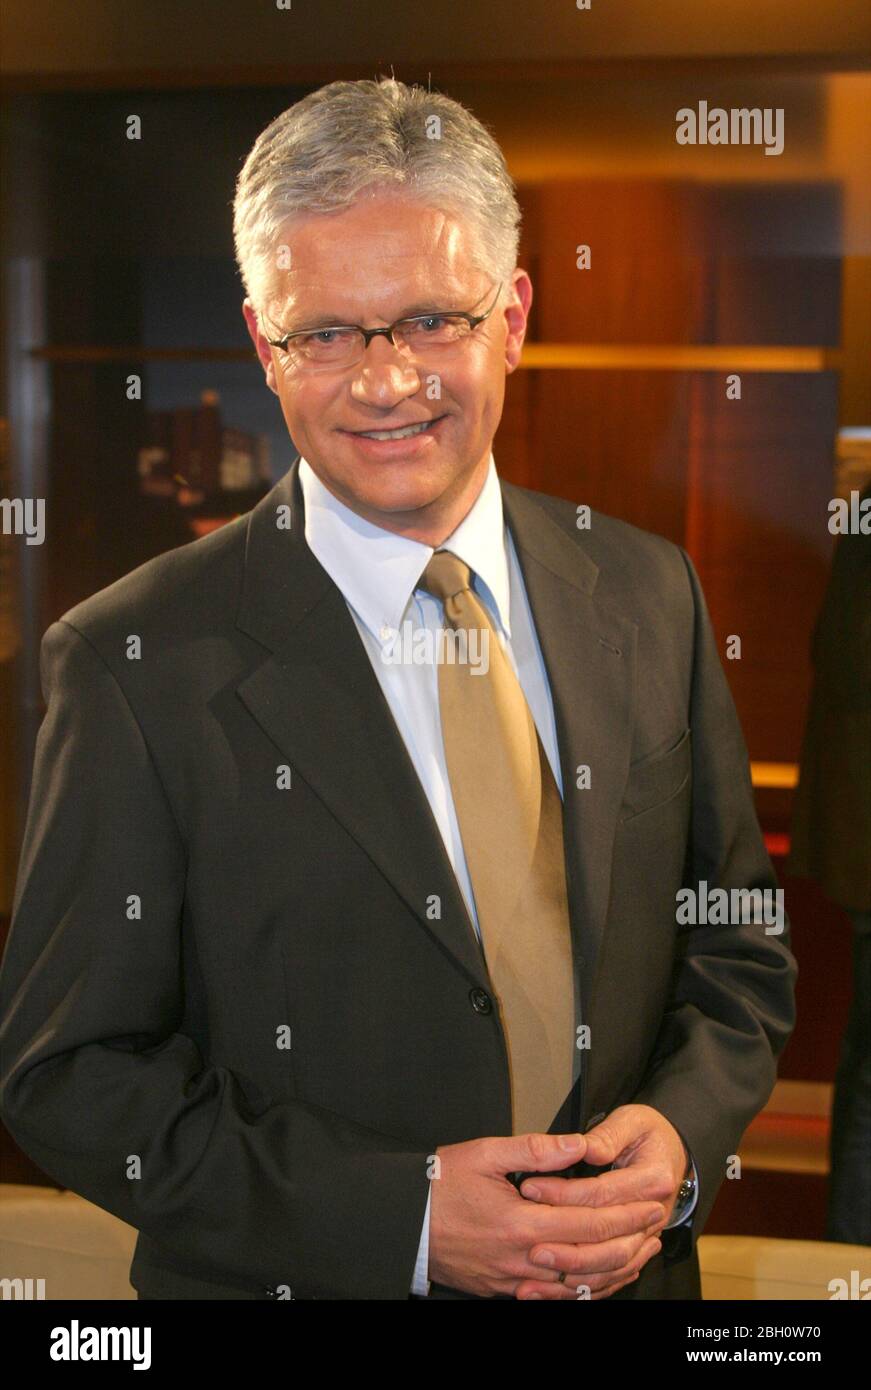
(344, 974)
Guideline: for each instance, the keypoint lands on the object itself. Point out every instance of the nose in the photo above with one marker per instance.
(384, 376)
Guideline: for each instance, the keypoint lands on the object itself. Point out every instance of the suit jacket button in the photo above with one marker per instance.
(481, 1001)
(595, 1119)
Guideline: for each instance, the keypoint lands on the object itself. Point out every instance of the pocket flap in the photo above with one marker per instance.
(656, 779)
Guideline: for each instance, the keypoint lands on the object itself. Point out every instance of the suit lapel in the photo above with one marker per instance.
(316, 696)
(589, 651)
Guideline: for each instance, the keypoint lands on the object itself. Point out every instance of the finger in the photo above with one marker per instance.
(607, 1289)
(626, 1276)
(580, 1260)
(610, 1280)
(591, 1285)
(522, 1268)
(590, 1225)
(536, 1153)
(556, 1293)
(614, 1187)
(614, 1288)
(574, 1290)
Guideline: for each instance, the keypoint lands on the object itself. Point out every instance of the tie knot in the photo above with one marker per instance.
(445, 576)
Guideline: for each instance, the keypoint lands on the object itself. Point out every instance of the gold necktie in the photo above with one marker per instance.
(510, 817)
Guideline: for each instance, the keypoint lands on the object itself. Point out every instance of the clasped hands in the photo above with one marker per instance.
(488, 1237)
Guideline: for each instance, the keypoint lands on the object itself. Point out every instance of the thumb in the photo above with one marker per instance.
(606, 1141)
(537, 1153)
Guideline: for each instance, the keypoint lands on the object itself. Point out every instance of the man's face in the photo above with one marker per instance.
(384, 258)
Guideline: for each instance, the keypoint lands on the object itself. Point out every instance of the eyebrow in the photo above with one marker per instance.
(421, 306)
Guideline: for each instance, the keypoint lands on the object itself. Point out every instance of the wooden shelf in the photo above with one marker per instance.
(680, 358)
(781, 775)
(791, 1135)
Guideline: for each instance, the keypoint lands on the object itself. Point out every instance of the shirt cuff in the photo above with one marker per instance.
(683, 1210)
(420, 1283)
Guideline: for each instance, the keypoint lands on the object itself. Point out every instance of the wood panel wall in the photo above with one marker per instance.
(742, 484)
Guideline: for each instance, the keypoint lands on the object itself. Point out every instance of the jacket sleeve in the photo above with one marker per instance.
(102, 1088)
(732, 1004)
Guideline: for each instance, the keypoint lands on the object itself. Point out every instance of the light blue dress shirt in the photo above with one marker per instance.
(377, 572)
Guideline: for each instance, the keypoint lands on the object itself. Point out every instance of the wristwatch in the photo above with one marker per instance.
(685, 1192)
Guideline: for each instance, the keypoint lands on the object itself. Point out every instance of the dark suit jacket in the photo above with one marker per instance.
(140, 1064)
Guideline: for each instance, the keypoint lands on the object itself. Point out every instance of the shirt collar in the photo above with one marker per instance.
(377, 571)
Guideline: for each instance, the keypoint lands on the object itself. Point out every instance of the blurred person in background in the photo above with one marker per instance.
(831, 843)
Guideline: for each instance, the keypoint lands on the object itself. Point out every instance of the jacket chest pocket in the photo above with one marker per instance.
(655, 780)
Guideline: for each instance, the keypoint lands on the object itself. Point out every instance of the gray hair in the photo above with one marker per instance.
(319, 155)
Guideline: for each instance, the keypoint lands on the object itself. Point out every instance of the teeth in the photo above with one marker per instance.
(397, 434)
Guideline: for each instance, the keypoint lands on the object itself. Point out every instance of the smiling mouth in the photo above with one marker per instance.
(403, 432)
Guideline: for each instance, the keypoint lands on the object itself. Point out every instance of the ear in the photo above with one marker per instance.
(264, 351)
(516, 317)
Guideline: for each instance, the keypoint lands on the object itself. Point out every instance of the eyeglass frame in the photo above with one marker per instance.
(369, 333)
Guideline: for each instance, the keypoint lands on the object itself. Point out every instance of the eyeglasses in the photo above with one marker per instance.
(345, 344)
